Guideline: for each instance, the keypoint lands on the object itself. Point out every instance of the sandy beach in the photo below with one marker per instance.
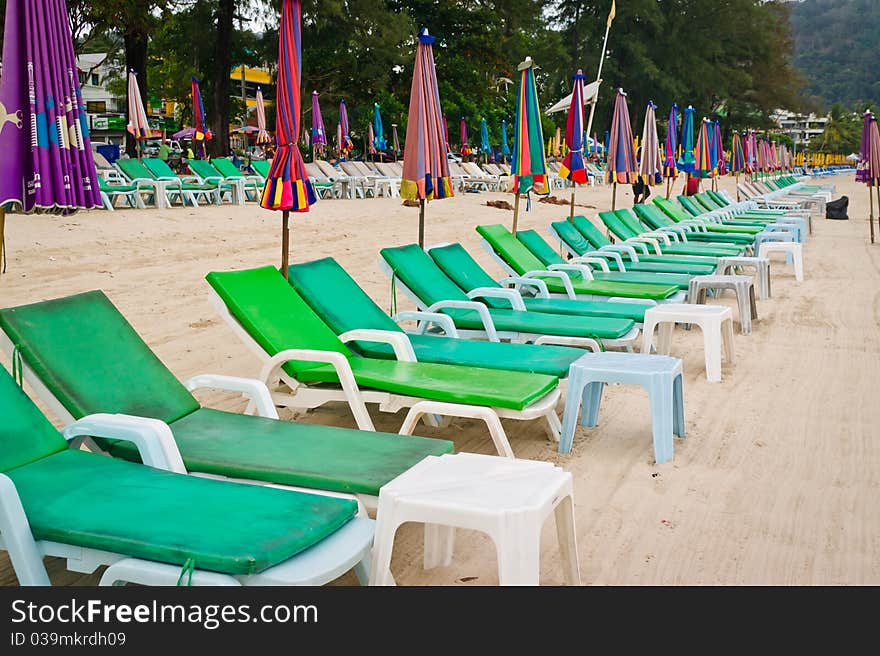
(772, 484)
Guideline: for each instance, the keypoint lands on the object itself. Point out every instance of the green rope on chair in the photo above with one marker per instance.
(188, 568)
(17, 369)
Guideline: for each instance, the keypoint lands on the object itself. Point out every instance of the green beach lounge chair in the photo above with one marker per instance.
(155, 524)
(413, 272)
(207, 174)
(208, 192)
(515, 258)
(655, 218)
(253, 184)
(129, 193)
(322, 283)
(261, 168)
(82, 357)
(306, 364)
(165, 191)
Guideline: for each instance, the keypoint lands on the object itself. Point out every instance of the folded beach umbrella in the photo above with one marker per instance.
(47, 163)
(505, 148)
(445, 134)
(720, 157)
(202, 133)
(621, 166)
(319, 134)
(262, 135)
(670, 168)
(686, 161)
(774, 157)
(702, 156)
(737, 158)
(425, 167)
(344, 143)
(649, 166)
(862, 166)
(465, 149)
(529, 165)
(137, 115)
(371, 138)
(288, 187)
(395, 141)
(378, 139)
(557, 145)
(485, 146)
(873, 169)
(573, 167)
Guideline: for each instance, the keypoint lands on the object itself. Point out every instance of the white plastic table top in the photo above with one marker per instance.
(618, 365)
(479, 484)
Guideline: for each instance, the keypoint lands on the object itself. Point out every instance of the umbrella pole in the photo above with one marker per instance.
(515, 211)
(2, 240)
(285, 242)
(737, 187)
(668, 187)
(613, 195)
(571, 216)
(871, 216)
(421, 222)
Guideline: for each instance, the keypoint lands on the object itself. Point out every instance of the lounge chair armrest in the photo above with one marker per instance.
(593, 259)
(153, 438)
(561, 275)
(253, 389)
(610, 254)
(587, 343)
(646, 241)
(398, 341)
(518, 282)
(510, 295)
(659, 236)
(626, 299)
(479, 308)
(214, 179)
(582, 269)
(629, 249)
(425, 319)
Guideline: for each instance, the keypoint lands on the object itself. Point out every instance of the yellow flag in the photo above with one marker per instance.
(611, 13)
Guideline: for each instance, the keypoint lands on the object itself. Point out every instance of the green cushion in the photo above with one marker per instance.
(521, 260)
(323, 282)
(633, 311)
(25, 433)
(689, 205)
(261, 166)
(226, 167)
(115, 188)
(134, 169)
(204, 169)
(412, 266)
(624, 232)
(89, 500)
(590, 232)
(92, 360)
(160, 169)
(572, 237)
(274, 315)
(279, 319)
(706, 201)
(292, 453)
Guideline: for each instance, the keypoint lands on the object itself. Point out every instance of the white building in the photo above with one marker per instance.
(800, 127)
(106, 115)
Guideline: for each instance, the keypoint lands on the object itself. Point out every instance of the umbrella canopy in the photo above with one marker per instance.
(371, 139)
(649, 165)
(774, 157)
(47, 163)
(703, 165)
(874, 154)
(573, 167)
(378, 139)
(465, 149)
(288, 187)
(262, 136)
(529, 164)
(137, 115)
(446, 134)
(621, 154)
(862, 166)
(344, 141)
(395, 141)
(720, 159)
(670, 168)
(738, 160)
(687, 161)
(185, 133)
(425, 168)
(319, 134)
(485, 146)
(202, 132)
(505, 148)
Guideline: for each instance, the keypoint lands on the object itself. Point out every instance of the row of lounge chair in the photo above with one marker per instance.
(91, 369)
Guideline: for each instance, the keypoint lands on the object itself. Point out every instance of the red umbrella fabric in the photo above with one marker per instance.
(621, 154)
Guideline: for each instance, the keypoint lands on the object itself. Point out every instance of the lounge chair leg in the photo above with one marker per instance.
(439, 545)
(567, 537)
(554, 426)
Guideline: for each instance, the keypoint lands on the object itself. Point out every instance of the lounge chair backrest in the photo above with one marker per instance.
(274, 315)
(572, 237)
(415, 269)
(386, 169)
(591, 232)
(204, 169)
(229, 170)
(517, 256)
(25, 434)
(351, 169)
(322, 283)
(720, 200)
(472, 168)
(673, 211)
(689, 205)
(456, 170)
(159, 168)
(464, 270)
(92, 360)
(652, 216)
(261, 166)
(629, 219)
(539, 247)
(616, 226)
(328, 169)
(101, 162)
(134, 168)
(315, 173)
(705, 202)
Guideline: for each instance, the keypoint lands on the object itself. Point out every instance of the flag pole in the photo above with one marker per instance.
(611, 15)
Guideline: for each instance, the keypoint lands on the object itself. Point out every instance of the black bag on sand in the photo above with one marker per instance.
(836, 209)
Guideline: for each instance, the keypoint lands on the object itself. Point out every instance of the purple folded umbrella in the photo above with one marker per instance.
(47, 162)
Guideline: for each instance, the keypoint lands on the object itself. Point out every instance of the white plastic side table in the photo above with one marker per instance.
(505, 498)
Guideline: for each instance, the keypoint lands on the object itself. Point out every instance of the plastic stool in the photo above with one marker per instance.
(660, 375)
(741, 285)
(792, 250)
(507, 499)
(715, 321)
(761, 265)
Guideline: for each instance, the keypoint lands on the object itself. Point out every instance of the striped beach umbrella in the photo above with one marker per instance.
(485, 146)
(862, 166)
(288, 187)
(395, 141)
(702, 156)
(649, 166)
(47, 163)
(319, 134)
(720, 157)
(573, 167)
(137, 126)
(202, 133)
(371, 140)
(529, 164)
(621, 167)
(465, 149)
(262, 135)
(378, 139)
(774, 157)
(557, 145)
(686, 161)
(873, 176)
(505, 147)
(670, 168)
(344, 143)
(425, 167)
